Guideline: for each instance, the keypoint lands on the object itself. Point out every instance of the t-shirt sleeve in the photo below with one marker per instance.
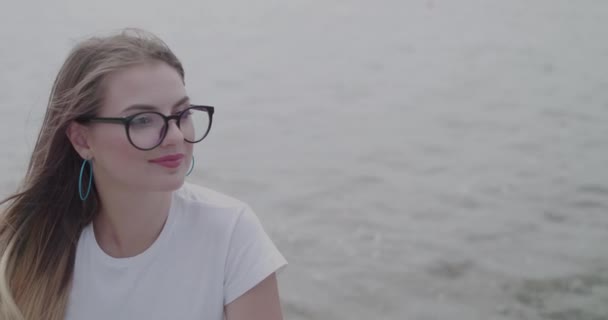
(252, 256)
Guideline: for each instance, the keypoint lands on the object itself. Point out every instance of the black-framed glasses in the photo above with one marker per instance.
(147, 130)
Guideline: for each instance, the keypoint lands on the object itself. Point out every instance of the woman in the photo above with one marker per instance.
(104, 227)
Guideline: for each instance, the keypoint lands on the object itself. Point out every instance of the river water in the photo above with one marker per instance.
(411, 159)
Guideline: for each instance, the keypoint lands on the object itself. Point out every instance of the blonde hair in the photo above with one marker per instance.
(42, 221)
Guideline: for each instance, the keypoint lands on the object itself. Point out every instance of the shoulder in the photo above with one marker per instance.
(200, 195)
(200, 204)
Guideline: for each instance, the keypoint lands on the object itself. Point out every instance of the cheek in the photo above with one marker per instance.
(112, 146)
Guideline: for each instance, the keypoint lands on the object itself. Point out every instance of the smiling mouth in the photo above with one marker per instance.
(170, 161)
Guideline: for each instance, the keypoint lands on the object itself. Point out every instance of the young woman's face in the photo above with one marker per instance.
(115, 160)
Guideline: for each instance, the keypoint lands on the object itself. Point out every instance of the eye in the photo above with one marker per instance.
(141, 120)
(145, 120)
(186, 113)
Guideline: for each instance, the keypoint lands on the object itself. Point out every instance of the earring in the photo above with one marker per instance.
(86, 195)
(191, 167)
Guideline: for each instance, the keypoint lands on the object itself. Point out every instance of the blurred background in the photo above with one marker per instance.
(411, 159)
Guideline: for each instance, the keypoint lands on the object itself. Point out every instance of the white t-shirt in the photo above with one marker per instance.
(211, 250)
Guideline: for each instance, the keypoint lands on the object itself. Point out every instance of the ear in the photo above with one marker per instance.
(78, 135)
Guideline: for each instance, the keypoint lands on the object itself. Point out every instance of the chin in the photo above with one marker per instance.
(162, 184)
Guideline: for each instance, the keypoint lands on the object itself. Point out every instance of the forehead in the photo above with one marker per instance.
(156, 84)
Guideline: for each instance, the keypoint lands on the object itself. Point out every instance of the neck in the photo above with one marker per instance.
(129, 221)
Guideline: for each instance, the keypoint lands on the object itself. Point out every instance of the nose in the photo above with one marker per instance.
(173, 135)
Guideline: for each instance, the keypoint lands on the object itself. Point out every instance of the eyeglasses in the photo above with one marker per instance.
(147, 130)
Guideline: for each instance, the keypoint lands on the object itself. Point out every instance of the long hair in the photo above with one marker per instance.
(42, 221)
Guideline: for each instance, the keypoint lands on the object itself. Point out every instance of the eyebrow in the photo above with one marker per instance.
(148, 107)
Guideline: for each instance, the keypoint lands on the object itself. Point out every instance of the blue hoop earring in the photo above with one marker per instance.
(84, 163)
(191, 167)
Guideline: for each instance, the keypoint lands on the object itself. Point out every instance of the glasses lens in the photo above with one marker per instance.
(146, 130)
(194, 124)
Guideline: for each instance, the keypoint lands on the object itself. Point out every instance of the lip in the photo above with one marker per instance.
(169, 161)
